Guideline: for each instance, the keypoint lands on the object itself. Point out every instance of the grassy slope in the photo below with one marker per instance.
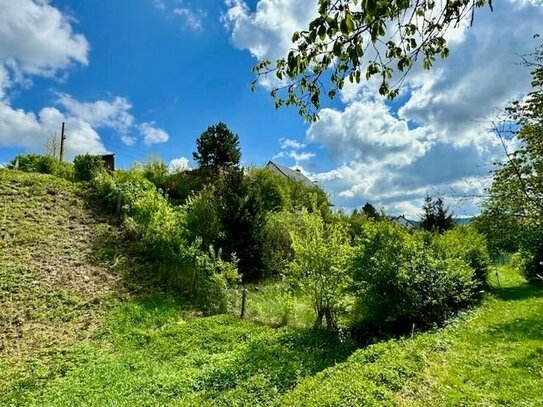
(109, 345)
(51, 291)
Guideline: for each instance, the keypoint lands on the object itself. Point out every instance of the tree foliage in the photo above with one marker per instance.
(370, 211)
(435, 217)
(87, 166)
(320, 267)
(356, 39)
(516, 195)
(217, 147)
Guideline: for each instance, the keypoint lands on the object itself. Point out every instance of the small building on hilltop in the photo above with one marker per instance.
(289, 173)
(109, 161)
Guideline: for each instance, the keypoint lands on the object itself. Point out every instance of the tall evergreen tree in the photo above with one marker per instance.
(217, 147)
(435, 217)
(370, 211)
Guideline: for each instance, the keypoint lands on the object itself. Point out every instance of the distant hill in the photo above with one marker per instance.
(463, 221)
(458, 221)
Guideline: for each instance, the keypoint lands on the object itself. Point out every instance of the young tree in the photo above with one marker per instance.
(321, 256)
(217, 147)
(52, 146)
(435, 217)
(517, 186)
(355, 39)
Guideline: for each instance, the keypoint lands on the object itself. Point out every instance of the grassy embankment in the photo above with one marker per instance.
(80, 324)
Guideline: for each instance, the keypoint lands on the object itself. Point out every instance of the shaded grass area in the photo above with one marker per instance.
(491, 356)
(273, 303)
(151, 353)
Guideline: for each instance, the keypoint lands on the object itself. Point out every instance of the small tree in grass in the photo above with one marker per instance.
(321, 256)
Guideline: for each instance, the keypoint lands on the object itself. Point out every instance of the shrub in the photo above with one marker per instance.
(203, 217)
(183, 184)
(273, 188)
(321, 256)
(154, 170)
(465, 243)
(529, 258)
(162, 234)
(43, 165)
(277, 250)
(399, 282)
(120, 189)
(86, 167)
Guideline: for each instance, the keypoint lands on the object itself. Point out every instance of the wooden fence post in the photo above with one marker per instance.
(243, 302)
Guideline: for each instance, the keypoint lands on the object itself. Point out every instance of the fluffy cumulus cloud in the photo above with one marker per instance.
(368, 132)
(102, 113)
(267, 30)
(435, 138)
(36, 39)
(152, 134)
(179, 164)
(25, 129)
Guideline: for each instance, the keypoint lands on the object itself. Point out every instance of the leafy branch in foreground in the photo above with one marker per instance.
(355, 39)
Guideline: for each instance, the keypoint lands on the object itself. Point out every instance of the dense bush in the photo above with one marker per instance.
(529, 258)
(43, 164)
(120, 189)
(465, 243)
(154, 170)
(161, 232)
(203, 217)
(181, 185)
(274, 189)
(277, 250)
(242, 216)
(399, 282)
(86, 167)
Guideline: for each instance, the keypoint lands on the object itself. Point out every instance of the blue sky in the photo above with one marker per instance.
(143, 77)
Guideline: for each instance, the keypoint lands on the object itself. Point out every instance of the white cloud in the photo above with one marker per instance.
(368, 132)
(300, 156)
(178, 165)
(289, 143)
(152, 134)
(128, 140)
(102, 113)
(37, 39)
(193, 19)
(481, 75)
(24, 129)
(435, 139)
(267, 31)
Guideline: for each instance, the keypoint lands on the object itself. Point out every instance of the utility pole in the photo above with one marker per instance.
(62, 138)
